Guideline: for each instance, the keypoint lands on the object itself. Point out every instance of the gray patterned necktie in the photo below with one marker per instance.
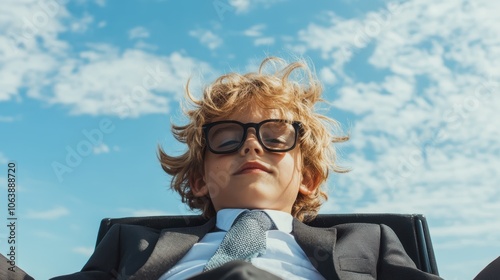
(245, 239)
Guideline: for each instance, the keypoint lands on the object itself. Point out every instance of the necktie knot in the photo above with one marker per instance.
(245, 239)
(254, 219)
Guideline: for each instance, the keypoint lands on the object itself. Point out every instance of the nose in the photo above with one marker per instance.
(251, 144)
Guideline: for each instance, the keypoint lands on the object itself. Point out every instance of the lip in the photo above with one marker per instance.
(252, 167)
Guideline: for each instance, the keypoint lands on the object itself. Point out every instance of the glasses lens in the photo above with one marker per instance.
(277, 135)
(225, 136)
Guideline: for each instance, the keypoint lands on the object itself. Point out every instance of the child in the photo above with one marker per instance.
(256, 147)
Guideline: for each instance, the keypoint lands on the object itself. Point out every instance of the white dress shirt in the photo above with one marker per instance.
(283, 257)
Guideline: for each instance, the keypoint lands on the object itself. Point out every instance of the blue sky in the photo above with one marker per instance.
(88, 89)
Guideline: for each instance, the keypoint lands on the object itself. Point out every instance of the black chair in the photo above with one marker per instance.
(412, 230)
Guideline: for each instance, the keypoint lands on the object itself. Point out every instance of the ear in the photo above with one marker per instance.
(307, 186)
(199, 187)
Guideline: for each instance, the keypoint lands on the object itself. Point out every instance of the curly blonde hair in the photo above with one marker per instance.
(230, 93)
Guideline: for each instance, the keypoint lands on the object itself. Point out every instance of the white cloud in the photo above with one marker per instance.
(143, 212)
(29, 46)
(255, 31)
(101, 3)
(424, 139)
(264, 41)
(106, 81)
(344, 38)
(3, 159)
(98, 80)
(145, 46)
(207, 38)
(327, 76)
(9, 118)
(138, 33)
(54, 213)
(82, 250)
(102, 24)
(104, 149)
(101, 149)
(240, 5)
(244, 6)
(81, 25)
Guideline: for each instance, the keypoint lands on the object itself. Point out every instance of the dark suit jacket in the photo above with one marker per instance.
(349, 251)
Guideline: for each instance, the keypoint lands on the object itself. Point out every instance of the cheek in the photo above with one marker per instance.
(216, 173)
(291, 169)
(219, 180)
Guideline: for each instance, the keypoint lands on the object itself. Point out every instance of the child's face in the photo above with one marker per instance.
(272, 183)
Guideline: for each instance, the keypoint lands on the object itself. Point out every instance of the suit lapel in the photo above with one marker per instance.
(172, 245)
(318, 244)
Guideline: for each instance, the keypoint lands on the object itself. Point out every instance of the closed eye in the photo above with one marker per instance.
(275, 140)
(228, 143)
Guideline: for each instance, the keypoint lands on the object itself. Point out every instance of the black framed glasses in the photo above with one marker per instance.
(274, 135)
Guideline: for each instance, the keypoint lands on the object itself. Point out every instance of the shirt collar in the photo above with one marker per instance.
(226, 217)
